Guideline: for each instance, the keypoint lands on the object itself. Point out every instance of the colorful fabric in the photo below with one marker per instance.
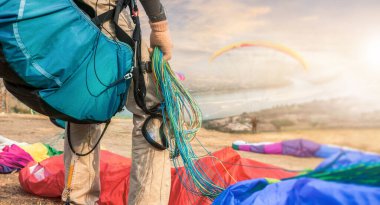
(275, 148)
(5, 169)
(13, 158)
(346, 178)
(38, 151)
(233, 167)
(349, 167)
(295, 147)
(326, 151)
(51, 151)
(47, 177)
(298, 191)
(300, 148)
(8, 142)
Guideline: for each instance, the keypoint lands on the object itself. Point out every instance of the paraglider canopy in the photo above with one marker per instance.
(265, 44)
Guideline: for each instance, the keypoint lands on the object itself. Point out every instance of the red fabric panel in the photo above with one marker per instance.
(44, 178)
(47, 177)
(239, 168)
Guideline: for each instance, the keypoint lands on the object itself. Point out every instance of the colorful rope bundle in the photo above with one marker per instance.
(182, 118)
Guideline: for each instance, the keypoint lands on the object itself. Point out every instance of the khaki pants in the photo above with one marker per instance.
(150, 176)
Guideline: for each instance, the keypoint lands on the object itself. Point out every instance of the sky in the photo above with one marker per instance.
(339, 40)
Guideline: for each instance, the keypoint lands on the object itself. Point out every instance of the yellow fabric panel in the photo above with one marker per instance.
(37, 150)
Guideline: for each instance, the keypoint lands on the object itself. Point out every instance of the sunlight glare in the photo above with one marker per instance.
(373, 54)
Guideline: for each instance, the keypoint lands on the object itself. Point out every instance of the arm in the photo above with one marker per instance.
(160, 30)
(154, 10)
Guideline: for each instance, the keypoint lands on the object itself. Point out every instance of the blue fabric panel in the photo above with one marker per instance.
(6, 170)
(346, 158)
(242, 192)
(326, 151)
(298, 191)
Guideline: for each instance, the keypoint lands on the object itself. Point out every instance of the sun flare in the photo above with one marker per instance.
(373, 54)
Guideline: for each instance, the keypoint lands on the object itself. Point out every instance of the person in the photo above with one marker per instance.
(150, 177)
(254, 123)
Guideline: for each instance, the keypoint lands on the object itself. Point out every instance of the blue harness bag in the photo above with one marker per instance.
(55, 59)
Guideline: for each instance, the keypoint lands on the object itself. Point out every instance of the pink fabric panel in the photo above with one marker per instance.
(275, 148)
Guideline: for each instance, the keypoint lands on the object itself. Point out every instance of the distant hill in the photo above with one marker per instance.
(334, 113)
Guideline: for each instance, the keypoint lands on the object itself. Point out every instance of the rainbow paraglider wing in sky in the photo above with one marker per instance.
(265, 44)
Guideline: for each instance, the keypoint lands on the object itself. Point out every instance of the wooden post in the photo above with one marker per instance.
(6, 101)
(2, 96)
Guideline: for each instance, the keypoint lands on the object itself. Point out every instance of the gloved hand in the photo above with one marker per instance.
(160, 37)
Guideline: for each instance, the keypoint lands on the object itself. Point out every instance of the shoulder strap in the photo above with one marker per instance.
(86, 8)
(134, 42)
(106, 16)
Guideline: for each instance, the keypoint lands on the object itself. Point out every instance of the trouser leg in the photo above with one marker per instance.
(85, 184)
(150, 177)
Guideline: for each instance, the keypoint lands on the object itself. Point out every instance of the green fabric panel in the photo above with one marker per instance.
(52, 151)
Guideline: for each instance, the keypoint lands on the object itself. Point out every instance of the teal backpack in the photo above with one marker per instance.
(55, 59)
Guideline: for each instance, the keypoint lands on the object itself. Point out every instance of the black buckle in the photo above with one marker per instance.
(146, 67)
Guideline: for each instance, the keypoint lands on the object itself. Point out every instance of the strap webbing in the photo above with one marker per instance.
(99, 20)
(92, 149)
(86, 8)
(123, 37)
(112, 15)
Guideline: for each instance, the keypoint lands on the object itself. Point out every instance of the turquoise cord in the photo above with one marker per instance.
(183, 118)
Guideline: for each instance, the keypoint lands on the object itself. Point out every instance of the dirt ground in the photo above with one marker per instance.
(31, 129)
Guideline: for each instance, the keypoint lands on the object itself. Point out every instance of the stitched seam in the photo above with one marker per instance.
(23, 49)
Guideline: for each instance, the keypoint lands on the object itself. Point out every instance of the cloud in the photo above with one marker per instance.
(310, 18)
(325, 34)
(199, 27)
(205, 23)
